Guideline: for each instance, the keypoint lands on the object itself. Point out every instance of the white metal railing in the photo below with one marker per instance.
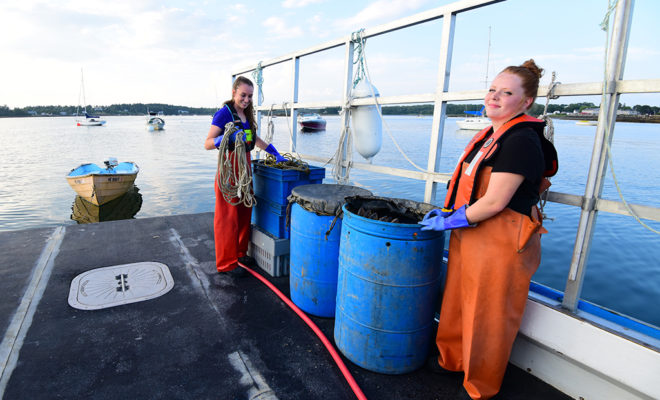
(590, 203)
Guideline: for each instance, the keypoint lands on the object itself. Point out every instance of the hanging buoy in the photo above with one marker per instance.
(367, 126)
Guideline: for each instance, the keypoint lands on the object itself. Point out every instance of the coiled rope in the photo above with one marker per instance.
(605, 26)
(234, 176)
(292, 163)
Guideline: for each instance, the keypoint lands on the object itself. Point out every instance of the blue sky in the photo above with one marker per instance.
(182, 52)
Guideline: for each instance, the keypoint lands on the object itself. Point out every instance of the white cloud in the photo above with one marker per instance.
(279, 29)
(379, 11)
(299, 3)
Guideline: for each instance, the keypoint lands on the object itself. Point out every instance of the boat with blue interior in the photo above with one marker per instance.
(99, 185)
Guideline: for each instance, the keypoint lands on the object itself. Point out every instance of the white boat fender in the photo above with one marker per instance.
(367, 126)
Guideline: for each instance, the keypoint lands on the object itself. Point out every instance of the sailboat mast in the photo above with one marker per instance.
(82, 86)
(487, 58)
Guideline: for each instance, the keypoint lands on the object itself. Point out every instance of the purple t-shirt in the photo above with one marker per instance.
(222, 116)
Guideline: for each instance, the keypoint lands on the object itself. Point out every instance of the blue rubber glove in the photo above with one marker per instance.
(273, 151)
(217, 141)
(232, 138)
(438, 220)
(438, 212)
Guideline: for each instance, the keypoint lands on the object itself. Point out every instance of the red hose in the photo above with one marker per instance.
(347, 374)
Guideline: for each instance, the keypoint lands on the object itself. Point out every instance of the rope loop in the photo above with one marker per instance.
(234, 175)
(359, 41)
(258, 76)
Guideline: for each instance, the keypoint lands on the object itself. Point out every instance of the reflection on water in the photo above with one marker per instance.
(124, 207)
(311, 130)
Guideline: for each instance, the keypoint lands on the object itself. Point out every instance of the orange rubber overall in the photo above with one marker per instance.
(488, 275)
(231, 227)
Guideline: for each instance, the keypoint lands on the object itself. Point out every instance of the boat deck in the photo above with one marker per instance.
(210, 337)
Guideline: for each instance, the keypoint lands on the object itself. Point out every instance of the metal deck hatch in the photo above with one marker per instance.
(119, 284)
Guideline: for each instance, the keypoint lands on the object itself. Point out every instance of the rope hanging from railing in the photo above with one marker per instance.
(549, 134)
(258, 77)
(605, 26)
(344, 151)
(359, 43)
(270, 126)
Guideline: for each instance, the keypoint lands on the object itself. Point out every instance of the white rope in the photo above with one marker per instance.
(345, 147)
(288, 125)
(605, 26)
(270, 126)
(549, 134)
(234, 176)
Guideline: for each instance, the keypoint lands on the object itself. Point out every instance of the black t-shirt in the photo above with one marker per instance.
(519, 153)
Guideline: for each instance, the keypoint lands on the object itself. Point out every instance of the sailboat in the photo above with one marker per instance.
(478, 121)
(90, 120)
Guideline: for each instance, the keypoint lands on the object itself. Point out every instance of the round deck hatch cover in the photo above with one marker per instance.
(119, 284)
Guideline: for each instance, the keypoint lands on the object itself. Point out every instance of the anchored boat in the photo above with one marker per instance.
(90, 120)
(312, 122)
(155, 121)
(586, 123)
(101, 185)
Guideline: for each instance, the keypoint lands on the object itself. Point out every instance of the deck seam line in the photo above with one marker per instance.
(191, 262)
(22, 320)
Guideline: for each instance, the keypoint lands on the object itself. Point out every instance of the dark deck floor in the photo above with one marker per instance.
(210, 337)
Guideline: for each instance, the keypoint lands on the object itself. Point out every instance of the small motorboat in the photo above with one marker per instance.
(155, 121)
(101, 185)
(91, 120)
(586, 123)
(476, 123)
(312, 122)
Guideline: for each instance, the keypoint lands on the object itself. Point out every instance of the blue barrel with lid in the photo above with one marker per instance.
(389, 279)
(314, 244)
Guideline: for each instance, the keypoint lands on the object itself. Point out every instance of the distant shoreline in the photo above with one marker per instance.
(650, 119)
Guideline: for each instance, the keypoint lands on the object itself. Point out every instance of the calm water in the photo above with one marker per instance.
(176, 177)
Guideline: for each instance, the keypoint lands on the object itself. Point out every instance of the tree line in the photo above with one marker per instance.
(168, 109)
(114, 109)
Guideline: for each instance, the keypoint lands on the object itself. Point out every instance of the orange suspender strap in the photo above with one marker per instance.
(461, 194)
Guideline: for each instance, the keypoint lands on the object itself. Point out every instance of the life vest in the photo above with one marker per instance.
(461, 187)
(249, 136)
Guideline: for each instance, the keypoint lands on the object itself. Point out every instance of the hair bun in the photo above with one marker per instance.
(533, 68)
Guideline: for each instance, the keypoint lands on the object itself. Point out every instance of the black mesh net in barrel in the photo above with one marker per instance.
(401, 211)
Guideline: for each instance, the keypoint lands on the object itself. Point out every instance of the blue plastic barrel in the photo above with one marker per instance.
(314, 245)
(388, 284)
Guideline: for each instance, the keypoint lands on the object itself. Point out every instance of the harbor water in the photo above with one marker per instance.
(176, 177)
